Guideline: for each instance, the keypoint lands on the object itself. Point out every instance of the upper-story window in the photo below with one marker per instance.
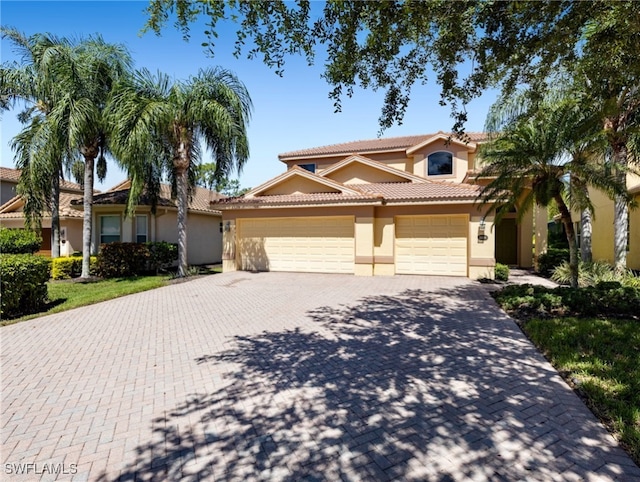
(440, 164)
(308, 167)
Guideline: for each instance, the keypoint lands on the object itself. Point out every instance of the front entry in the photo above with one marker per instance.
(507, 242)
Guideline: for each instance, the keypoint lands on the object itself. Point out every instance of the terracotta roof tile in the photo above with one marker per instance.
(428, 191)
(200, 201)
(403, 191)
(296, 199)
(13, 175)
(372, 145)
(66, 211)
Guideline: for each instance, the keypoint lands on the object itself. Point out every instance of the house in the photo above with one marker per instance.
(12, 216)
(204, 238)
(602, 246)
(403, 205)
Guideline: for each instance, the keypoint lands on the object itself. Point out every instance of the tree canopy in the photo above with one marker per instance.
(468, 46)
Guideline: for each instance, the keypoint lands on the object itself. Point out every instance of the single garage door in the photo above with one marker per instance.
(432, 245)
(313, 245)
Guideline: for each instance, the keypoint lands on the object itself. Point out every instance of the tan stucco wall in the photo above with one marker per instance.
(73, 229)
(204, 239)
(296, 185)
(360, 174)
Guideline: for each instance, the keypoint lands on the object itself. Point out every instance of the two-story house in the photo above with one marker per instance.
(403, 205)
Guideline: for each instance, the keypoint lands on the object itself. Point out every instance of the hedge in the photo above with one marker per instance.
(131, 259)
(23, 279)
(71, 267)
(19, 241)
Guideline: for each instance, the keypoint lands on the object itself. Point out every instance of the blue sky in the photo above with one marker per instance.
(291, 112)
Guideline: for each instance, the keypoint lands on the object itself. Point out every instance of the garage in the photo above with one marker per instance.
(302, 244)
(432, 245)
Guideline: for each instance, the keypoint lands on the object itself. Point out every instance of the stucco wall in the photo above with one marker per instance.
(204, 240)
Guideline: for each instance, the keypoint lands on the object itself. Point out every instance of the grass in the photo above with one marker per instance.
(600, 358)
(66, 295)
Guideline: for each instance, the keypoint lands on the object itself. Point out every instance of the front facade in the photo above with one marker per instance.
(401, 205)
(204, 232)
(204, 237)
(12, 216)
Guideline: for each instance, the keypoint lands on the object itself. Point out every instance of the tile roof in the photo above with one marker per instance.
(387, 192)
(297, 199)
(13, 175)
(372, 145)
(11, 210)
(427, 191)
(200, 200)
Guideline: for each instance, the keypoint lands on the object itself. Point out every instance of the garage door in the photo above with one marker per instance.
(434, 245)
(314, 245)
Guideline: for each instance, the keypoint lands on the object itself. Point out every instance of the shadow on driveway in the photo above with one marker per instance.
(420, 385)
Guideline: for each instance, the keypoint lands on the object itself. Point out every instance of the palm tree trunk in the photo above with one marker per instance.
(89, 161)
(586, 225)
(55, 217)
(565, 217)
(620, 206)
(181, 184)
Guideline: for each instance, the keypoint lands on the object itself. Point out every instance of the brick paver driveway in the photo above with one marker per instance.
(291, 376)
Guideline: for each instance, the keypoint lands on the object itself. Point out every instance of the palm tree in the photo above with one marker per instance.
(40, 152)
(85, 75)
(158, 126)
(529, 163)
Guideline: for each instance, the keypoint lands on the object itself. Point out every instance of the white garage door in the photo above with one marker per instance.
(434, 245)
(314, 245)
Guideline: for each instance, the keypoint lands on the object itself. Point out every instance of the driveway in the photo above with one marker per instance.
(278, 376)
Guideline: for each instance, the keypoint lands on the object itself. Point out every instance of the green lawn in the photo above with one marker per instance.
(600, 358)
(65, 295)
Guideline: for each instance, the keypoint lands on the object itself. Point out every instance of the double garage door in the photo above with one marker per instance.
(430, 245)
(312, 245)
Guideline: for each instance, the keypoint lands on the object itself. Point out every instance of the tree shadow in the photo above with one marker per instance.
(417, 386)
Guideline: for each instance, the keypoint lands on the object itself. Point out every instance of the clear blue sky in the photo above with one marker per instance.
(290, 113)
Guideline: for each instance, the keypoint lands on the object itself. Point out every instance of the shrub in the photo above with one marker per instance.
(594, 274)
(502, 272)
(65, 268)
(23, 279)
(160, 255)
(19, 241)
(548, 261)
(122, 259)
(608, 299)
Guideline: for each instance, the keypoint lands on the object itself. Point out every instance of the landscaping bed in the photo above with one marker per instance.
(592, 337)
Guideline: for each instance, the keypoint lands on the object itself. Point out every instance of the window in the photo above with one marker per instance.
(308, 167)
(109, 229)
(141, 228)
(440, 164)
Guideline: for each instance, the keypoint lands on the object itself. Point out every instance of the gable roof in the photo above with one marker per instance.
(330, 185)
(388, 144)
(357, 159)
(8, 174)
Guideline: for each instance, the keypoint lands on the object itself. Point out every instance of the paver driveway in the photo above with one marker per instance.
(291, 376)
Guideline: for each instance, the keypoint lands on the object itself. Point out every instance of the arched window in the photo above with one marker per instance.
(440, 164)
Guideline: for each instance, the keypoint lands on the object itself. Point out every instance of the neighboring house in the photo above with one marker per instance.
(8, 181)
(12, 216)
(603, 216)
(204, 226)
(403, 205)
